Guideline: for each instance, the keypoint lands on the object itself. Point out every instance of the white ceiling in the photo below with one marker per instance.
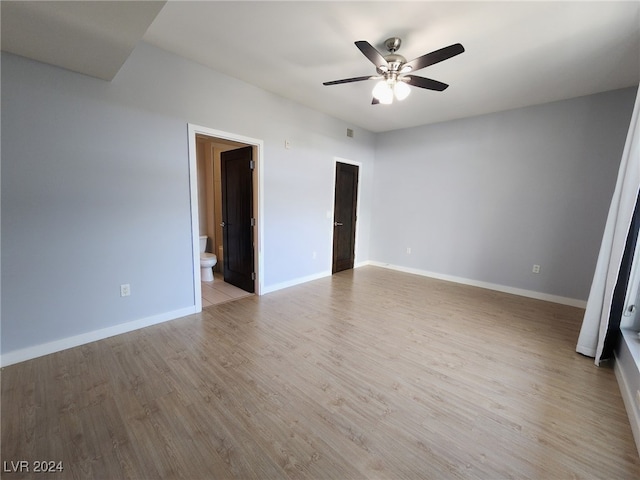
(517, 53)
(94, 38)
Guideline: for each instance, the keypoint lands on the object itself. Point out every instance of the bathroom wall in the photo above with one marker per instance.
(201, 164)
(205, 153)
(210, 192)
(210, 176)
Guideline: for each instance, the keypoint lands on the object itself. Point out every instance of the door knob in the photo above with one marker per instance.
(222, 224)
(337, 224)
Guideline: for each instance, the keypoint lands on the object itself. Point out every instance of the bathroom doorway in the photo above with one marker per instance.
(216, 194)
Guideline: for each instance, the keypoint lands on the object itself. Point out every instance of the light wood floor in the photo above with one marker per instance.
(367, 374)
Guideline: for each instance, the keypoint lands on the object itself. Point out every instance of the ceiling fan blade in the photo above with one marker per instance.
(372, 54)
(434, 57)
(425, 83)
(349, 80)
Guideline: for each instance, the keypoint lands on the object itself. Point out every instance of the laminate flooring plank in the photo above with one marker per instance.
(370, 374)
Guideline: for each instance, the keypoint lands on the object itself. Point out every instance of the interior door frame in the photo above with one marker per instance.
(258, 181)
(337, 160)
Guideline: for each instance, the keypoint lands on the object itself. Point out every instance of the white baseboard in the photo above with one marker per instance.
(295, 281)
(491, 286)
(628, 400)
(64, 343)
(308, 278)
(70, 342)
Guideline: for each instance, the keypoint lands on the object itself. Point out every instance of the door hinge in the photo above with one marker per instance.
(253, 275)
(252, 164)
(253, 222)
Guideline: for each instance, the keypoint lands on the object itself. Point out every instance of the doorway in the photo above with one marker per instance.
(345, 216)
(210, 206)
(236, 172)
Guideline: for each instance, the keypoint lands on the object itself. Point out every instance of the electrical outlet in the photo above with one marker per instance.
(536, 269)
(287, 144)
(408, 250)
(315, 255)
(125, 290)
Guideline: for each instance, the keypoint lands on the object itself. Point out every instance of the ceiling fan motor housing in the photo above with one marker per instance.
(392, 44)
(394, 60)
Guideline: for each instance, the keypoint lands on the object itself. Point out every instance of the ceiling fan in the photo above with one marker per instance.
(393, 70)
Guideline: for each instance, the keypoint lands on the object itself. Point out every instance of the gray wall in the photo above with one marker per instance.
(486, 198)
(95, 189)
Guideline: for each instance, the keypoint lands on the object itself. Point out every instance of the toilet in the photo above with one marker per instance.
(207, 261)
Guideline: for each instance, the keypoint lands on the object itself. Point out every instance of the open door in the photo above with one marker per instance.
(344, 219)
(237, 217)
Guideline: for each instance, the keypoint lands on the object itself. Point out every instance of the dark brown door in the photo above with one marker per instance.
(237, 217)
(344, 219)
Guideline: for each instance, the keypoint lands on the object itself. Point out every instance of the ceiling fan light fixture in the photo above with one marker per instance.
(392, 70)
(401, 90)
(383, 92)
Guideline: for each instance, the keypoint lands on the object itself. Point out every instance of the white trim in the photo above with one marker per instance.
(64, 343)
(195, 222)
(70, 342)
(631, 317)
(258, 145)
(627, 398)
(297, 281)
(491, 286)
(333, 206)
